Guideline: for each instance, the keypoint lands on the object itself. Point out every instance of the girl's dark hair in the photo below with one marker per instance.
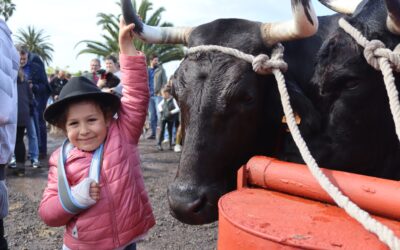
(104, 107)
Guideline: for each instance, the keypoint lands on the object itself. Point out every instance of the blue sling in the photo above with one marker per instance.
(68, 202)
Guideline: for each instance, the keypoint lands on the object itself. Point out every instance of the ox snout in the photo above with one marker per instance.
(193, 205)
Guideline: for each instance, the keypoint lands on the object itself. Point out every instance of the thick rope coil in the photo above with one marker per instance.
(381, 58)
(262, 64)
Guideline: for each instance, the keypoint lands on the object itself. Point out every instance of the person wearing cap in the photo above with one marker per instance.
(35, 73)
(95, 185)
(9, 64)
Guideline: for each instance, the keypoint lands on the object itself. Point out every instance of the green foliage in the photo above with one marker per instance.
(6, 9)
(36, 41)
(110, 24)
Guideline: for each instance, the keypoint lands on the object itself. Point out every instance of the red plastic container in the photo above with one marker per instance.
(279, 205)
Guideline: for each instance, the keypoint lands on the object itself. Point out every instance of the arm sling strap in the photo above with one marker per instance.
(68, 202)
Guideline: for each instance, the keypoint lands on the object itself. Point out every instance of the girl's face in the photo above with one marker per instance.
(86, 125)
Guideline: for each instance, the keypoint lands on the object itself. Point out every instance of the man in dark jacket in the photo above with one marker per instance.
(36, 74)
(57, 83)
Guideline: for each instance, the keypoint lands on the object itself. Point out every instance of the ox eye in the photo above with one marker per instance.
(351, 84)
(247, 98)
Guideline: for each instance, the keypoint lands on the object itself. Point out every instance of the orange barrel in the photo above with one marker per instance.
(278, 217)
(375, 195)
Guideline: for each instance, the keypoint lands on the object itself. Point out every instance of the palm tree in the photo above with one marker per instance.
(6, 8)
(110, 23)
(36, 42)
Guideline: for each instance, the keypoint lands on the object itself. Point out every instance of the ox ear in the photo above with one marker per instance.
(153, 34)
(304, 24)
(393, 17)
(342, 6)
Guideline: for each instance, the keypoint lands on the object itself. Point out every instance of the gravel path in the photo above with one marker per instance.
(25, 230)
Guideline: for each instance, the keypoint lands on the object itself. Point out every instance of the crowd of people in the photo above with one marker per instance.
(31, 101)
(36, 90)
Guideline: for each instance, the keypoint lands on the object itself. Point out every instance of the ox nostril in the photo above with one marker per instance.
(191, 206)
(197, 205)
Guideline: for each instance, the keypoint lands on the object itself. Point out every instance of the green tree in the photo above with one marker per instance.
(36, 41)
(110, 24)
(6, 8)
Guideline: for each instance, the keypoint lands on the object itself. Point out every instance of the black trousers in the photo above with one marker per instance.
(3, 241)
(169, 127)
(20, 151)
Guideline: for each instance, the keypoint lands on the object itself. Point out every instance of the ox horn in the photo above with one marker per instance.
(153, 34)
(304, 24)
(341, 6)
(393, 17)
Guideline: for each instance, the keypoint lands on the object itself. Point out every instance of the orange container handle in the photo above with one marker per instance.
(375, 195)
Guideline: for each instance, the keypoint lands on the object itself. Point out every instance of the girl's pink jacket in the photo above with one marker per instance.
(123, 212)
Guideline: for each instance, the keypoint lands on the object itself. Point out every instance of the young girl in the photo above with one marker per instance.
(95, 186)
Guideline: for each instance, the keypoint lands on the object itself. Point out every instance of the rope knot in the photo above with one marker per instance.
(371, 52)
(394, 58)
(260, 64)
(375, 49)
(263, 65)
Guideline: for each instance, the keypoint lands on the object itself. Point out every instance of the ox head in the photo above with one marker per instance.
(359, 124)
(223, 103)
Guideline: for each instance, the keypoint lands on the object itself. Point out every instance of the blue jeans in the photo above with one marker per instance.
(153, 114)
(32, 139)
(42, 102)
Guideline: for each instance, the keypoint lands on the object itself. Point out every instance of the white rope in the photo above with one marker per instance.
(261, 63)
(381, 58)
(385, 234)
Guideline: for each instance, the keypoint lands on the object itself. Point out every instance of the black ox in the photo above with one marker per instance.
(230, 113)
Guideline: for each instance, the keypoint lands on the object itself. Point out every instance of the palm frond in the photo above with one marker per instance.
(36, 42)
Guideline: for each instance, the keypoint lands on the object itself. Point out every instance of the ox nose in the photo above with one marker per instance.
(190, 205)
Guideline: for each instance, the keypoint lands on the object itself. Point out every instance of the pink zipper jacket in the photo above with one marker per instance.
(123, 212)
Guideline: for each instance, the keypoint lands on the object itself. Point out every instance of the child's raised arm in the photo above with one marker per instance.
(135, 87)
(126, 36)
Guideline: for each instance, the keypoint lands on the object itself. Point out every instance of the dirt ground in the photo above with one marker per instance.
(24, 229)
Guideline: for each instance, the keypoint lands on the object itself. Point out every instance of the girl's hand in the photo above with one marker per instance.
(94, 191)
(126, 38)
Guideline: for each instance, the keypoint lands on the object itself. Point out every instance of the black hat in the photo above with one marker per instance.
(79, 88)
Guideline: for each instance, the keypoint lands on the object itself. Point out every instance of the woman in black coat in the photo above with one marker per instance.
(24, 101)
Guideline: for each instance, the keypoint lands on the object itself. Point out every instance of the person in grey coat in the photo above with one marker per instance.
(9, 64)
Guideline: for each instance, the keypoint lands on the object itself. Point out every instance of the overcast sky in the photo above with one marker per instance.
(70, 21)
